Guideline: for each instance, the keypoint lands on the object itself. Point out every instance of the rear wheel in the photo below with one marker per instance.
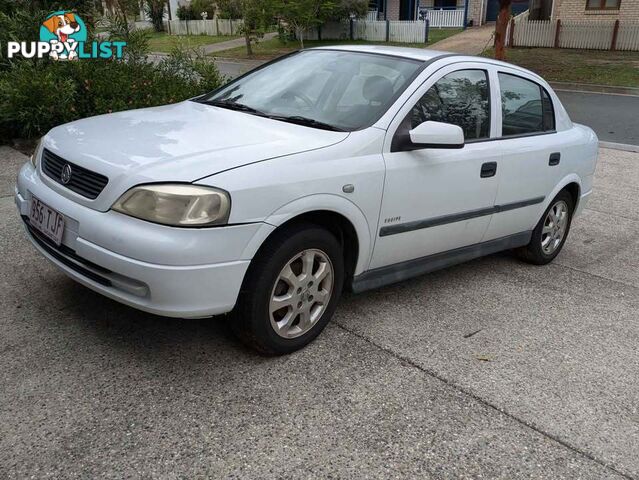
(290, 291)
(550, 234)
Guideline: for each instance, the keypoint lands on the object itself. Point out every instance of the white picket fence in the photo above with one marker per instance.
(378, 31)
(445, 18)
(534, 33)
(628, 36)
(577, 34)
(372, 16)
(586, 35)
(374, 31)
(407, 32)
(219, 26)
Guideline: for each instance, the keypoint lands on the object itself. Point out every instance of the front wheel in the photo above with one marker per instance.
(290, 291)
(550, 234)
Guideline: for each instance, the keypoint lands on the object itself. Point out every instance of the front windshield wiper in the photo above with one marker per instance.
(296, 119)
(308, 122)
(233, 106)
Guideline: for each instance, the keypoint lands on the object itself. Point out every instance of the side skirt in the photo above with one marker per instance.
(411, 268)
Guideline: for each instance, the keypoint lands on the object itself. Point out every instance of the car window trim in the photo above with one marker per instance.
(541, 90)
(552, 106)
(513, 137)
(406, 148)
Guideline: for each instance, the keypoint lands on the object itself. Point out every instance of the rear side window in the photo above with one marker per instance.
(525, 106)
(460, 98)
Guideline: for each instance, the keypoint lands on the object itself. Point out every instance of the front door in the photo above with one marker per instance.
(434, 199)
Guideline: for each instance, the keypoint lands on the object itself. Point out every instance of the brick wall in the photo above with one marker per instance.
(475, 11)
(576, 10)
(392, 10)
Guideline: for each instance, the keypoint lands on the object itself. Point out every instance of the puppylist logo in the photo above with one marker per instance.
(63, 36)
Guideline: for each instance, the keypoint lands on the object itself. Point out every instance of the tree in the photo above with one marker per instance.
(500, 29)
(349, 8)
(123, 9)
(300, 15)
(155, 11)
(255, 15)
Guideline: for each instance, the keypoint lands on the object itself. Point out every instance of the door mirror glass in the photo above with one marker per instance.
(437, 135)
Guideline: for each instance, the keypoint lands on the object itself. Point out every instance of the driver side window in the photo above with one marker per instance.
(460, 98)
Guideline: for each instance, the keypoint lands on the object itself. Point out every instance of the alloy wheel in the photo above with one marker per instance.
(554, 228)
(301, 293)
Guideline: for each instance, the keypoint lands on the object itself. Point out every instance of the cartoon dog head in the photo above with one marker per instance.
(62, 26)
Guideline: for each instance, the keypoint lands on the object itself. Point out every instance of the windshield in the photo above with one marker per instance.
(336, 90)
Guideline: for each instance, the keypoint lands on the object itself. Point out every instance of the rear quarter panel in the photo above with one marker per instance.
(580, 150)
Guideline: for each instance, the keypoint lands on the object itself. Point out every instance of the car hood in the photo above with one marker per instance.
(182, 142)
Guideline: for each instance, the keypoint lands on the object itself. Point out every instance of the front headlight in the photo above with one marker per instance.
(177, 205)
(36, 154)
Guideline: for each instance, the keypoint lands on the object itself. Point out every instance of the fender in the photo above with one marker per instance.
(310, 203)
(570, 178)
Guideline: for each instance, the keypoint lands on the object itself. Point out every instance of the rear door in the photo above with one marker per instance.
(531, 150)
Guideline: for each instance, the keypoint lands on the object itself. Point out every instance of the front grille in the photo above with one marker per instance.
(84, 182)
(66, 255)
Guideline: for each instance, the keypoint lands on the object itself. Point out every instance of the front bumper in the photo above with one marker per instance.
(176, 272)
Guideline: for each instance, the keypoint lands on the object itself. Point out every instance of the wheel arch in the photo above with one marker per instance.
(571, 183)
(575, 192)
(338, 215)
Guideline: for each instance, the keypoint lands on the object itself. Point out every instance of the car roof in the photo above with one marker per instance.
(422, 54)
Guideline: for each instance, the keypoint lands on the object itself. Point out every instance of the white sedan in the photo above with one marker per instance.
(330, 168)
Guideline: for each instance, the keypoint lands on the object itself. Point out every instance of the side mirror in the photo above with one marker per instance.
(437, 135)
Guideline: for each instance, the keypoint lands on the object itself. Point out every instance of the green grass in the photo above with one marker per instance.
(597, 67)
(164, 43)
(269, 49)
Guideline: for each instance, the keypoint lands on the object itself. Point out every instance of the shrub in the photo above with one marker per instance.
(35, 97)
(185, 12)
(193, 11)
(200, 6)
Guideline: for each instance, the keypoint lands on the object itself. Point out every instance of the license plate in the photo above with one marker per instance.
(46, 220)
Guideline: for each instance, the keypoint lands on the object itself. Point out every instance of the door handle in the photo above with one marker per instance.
(554, 159)
(488, 169)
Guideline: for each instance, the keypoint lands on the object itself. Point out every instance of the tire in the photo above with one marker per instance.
(545, 243)
(254, 321)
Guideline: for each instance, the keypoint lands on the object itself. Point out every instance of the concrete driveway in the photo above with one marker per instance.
(493, 369)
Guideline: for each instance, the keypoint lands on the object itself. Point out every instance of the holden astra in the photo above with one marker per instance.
(328, 169)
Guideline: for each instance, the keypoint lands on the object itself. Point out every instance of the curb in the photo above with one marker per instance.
(620, 146)
(591, 88)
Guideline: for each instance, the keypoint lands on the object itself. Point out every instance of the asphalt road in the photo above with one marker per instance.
(615, 118)
(492, 369)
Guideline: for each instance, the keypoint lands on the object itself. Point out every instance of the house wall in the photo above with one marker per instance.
(392, 9)
(430, 3)
(393, 6)
(576, 10)
(476, 11)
